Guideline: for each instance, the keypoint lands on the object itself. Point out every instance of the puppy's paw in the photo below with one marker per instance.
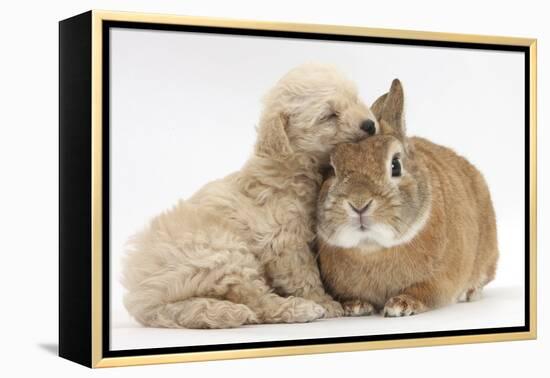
(332, 308)
(303, 310)
(357, 307)
(403, 305)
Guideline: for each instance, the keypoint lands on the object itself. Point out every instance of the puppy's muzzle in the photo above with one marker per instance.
(368, 126)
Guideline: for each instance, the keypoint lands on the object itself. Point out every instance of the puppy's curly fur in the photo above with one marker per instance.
(238, 251)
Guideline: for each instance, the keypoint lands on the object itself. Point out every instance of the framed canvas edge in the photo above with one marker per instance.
(308, 349)
(155, 18)
(533, 185)
(99, 16)
(97, 183)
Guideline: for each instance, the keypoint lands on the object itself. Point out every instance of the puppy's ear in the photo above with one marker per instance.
(272, 138)
(389, 109)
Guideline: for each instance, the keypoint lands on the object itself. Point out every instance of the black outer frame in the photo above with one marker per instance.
(75, 189)
(75, 333)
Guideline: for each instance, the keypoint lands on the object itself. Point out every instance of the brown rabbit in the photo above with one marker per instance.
(404, 225)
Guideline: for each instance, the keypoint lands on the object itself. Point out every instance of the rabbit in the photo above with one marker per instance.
(404, 225)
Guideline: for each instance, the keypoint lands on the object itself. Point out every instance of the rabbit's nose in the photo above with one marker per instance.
(361, 210)
(368, 126)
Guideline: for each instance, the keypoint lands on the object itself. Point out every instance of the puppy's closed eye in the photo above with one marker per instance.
(329, 116)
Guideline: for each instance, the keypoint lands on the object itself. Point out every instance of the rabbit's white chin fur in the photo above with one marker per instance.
(377, 236)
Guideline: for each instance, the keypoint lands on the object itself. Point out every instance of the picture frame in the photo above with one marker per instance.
(85, 114)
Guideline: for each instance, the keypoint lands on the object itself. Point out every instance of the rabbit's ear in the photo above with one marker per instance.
(389, 109)
(272, 138)
(378, 105)
(339, 157)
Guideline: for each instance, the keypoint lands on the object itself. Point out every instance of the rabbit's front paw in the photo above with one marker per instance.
(403, 305)
(357, 307)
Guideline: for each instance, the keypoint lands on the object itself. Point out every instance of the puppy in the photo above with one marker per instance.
(238, 251)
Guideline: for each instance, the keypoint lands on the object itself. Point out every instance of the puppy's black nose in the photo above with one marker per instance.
(368, 127)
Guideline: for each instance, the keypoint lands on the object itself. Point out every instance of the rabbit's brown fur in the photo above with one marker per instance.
(429, 235)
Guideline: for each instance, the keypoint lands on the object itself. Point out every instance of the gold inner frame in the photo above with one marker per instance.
(97, 249)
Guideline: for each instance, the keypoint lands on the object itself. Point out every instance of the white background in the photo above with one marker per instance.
(28, 151)
(183, 112)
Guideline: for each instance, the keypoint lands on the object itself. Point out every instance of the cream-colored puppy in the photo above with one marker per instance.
(238, 251)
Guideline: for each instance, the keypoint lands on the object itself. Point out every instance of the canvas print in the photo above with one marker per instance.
(300, 190)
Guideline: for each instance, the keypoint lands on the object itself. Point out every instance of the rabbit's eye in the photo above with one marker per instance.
(395, 167)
